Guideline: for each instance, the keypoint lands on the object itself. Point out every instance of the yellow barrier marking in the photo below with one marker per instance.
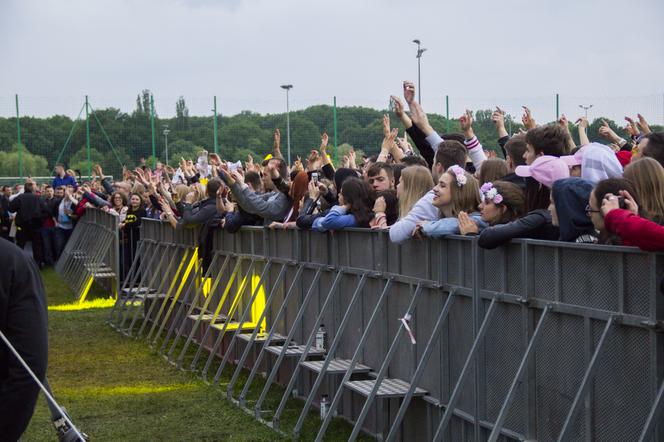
(192, 261)
(207, 285)
(86, 305)
(86, 289)
(258, 306)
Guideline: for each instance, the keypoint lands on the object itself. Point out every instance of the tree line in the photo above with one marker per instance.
(118, 138)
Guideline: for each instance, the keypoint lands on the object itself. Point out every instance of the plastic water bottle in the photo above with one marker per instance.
(324, 406)
(321, 334)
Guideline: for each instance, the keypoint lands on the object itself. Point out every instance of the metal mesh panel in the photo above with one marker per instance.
(514, 271)
(429, 308)
(492, 269)
(461, 339)
(360, 250)
(593, 286)
(503, 353)
(622, 389)
(636, 293)
(545, 273)
(454, 276)
(559, 366)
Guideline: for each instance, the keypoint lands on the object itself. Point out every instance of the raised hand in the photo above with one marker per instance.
(409, 91)
(215, 160)
(277, 139)
(352, 157)
(582, 122)
(324, 140)
(564, 123)
(643, 124)
(314, 191)
(631, 128)
(398, 106)
(527, 119)
(466, 122)
(607, 133)
(386, 126)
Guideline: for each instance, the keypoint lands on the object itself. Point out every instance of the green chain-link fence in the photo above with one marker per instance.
(82, 131)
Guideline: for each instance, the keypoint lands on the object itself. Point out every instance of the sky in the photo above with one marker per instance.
(480, 53)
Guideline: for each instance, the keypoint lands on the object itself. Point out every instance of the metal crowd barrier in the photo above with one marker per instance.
(91, 254)
(429, 340)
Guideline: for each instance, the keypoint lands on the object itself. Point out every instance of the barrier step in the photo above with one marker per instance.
(295, 350)
(389, 388)
(135, 290)
(336, 366)
(151, 296)
(232, 326)
(103, 275)
(208, 317)
(262, 337)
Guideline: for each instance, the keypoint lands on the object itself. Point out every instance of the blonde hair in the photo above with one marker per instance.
(181, 190)
(465, 198)
(647, 177)
(417, 181)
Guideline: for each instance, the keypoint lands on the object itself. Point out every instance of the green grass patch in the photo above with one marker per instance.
(117, 389)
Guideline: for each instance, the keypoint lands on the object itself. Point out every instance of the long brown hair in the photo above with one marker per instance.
(513, 200)
(465, 198)
(361, 197)
(492, 170)
(647, 177)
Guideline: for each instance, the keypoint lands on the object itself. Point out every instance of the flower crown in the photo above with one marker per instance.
(491, 193)
(459, 175)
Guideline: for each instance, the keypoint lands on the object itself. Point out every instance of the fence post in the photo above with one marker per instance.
(18, 138)
(447, 113)
(557, 107)
(154, 150)
(87, 134)
(334, 119)
(216, 149)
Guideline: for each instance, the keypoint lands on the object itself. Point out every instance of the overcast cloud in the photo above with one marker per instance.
(478, 52)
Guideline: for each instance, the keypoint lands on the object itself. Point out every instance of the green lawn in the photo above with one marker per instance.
(117, 389)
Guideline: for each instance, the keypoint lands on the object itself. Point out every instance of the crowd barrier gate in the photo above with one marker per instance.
(428, 340)
(91, 254)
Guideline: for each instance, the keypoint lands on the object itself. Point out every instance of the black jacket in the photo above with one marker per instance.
(206, 217)
(23, 320)
(534, 225)
(30, 210)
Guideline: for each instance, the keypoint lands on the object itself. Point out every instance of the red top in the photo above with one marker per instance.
(634, 230)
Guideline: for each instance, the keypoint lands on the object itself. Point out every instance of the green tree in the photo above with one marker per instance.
(33, 165)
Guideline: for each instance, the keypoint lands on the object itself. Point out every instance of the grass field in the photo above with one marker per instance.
(117, 389)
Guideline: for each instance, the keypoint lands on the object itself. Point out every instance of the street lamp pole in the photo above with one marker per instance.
(287, 87)
(420, 51)
(166, 132)
(585, 108)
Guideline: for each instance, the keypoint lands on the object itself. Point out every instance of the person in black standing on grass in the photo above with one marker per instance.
(23, 320)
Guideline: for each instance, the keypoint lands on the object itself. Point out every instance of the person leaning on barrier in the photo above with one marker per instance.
(456, 191)
(273, 205)
(647, 177)
(23, 320)
(204, 216)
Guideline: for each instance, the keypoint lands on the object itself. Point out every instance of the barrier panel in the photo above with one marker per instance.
(92, 254)
(429, 340)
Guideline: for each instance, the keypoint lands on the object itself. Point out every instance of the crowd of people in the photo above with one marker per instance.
(546, 187)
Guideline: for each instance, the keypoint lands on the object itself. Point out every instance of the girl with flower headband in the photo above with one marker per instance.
(502, 202)
(502, 208)
(457, 191)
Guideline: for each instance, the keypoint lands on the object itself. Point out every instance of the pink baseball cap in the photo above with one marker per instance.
(545, 169)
